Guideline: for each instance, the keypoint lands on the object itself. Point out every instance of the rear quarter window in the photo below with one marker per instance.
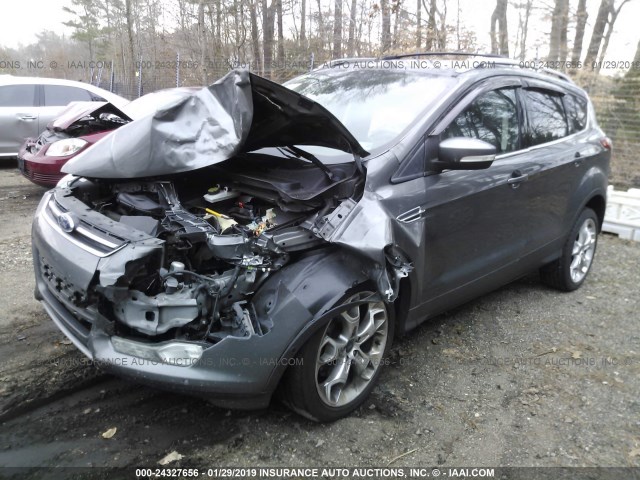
(576, 108)
(547, 118)
(17, 96)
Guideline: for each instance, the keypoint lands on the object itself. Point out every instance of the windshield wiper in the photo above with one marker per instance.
(299, 153)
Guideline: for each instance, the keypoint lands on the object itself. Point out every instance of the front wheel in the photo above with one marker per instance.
(341, 362)
(570, 270)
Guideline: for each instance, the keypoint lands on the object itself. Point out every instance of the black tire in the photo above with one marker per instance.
(569, 272)
(300, 389)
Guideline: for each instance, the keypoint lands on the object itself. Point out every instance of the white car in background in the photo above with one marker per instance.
(28, 104)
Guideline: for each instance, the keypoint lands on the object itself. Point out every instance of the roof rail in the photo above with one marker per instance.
(490, 57)
(441, 54)
(495, 60)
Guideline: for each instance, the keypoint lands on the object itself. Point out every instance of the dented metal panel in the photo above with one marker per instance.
(239, 113)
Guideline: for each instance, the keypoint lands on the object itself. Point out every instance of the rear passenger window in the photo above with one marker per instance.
(17, 96)
(60, 95)
(492, 117)
(576, 108)
(547, 121)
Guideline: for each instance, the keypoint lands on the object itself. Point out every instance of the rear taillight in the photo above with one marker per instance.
(606, 143)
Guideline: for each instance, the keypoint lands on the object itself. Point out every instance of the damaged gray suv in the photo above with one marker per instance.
(254, 238)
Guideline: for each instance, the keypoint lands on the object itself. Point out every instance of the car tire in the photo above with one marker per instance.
(571, 269)
(337, 368)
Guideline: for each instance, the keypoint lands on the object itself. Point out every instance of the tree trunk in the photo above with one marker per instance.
(499, 39)
(419, 25)
(614, 15)
(352, 28)
(267, 37)
(394, 12)
(303, 19)
(281, 56)
(525, 31)
(431, 25)
(581, 21)
(442, 33)
(386, 26)
(219, 27)
(558, 36)
(132, 61)
(598, 32)
(255, 35)
(337, 30)
(202, 40)
(320, 27)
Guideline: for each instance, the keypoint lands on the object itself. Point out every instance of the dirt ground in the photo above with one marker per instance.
(524, 376)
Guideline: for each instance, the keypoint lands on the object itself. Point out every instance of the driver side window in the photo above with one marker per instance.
(492, 117)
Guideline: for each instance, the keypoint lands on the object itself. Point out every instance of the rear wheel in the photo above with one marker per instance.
(570, 270)
(341, 362)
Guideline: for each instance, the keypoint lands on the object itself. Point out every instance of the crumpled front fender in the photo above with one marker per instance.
(302, 293)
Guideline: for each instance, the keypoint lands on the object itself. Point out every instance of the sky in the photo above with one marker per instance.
(24, 18)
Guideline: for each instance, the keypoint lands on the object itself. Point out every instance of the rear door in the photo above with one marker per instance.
(553, 172)
(18, 116)
(56, 97)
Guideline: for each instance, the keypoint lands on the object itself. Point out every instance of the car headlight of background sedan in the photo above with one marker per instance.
(66, 147)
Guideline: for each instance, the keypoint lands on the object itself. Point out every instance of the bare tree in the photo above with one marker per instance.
(612, 20)
(523, 28)
(431, 24)
(606, 19)
(598, 31)
(281, 56)
(581, 21)
(442, 31)
(499, 39)
(386, 25)
(352, 28)
(320, 26)
(419, 24)
(337, 30)
(132, 62)
(255, 35)
(558, 36)
(303, 19)
(268, 14)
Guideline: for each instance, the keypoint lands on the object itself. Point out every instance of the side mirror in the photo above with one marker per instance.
(464, 153)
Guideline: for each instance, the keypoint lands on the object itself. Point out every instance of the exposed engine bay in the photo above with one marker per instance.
(220, 242)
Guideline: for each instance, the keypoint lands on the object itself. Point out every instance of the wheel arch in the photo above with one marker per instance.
(313, 285)
(598, 204)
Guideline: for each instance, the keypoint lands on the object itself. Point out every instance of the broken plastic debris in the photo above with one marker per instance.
(110, 433)
(171, 457)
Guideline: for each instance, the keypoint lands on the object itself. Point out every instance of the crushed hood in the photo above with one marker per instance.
(76, 111)
(239, 113)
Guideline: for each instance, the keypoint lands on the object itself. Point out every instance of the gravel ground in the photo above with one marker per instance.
(524, 376)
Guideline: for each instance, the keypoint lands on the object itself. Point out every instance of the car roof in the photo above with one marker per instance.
(465, 66)
(117, 100)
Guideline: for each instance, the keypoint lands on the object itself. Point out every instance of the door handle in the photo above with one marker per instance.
(26, 117)
(517, 178)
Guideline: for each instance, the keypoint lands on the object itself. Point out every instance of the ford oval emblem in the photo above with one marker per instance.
(67, 222)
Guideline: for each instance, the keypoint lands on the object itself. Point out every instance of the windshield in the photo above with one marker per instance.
(375, 105)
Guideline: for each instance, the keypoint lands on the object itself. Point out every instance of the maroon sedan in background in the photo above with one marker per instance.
(80, 126)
